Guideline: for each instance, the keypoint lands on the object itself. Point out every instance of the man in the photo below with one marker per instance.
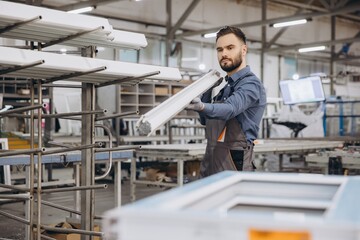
(232, 118)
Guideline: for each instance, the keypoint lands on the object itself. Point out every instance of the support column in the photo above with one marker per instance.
(332, 55)
(87, 158)
(263, 39)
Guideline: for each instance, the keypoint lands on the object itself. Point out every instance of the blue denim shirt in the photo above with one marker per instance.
(243, 97)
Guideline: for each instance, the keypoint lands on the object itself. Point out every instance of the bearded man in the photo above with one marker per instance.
(233, 116)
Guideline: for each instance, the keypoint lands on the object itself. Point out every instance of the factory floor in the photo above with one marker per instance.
(104, 200)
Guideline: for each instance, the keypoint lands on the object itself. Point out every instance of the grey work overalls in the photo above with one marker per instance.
(227, 148)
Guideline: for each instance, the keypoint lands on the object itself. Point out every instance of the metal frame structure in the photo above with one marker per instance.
(47, 27)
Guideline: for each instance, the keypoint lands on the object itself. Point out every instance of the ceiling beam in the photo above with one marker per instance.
(346, 9)
(182, 19)
(347, 59)
(313, 8)
(300, 45)
(325, 4)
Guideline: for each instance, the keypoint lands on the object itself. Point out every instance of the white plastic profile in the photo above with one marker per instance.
(45, 25)
(162, 113)
(55, 65)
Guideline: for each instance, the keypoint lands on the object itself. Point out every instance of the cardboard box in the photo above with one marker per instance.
(175, 90)
(161, 90)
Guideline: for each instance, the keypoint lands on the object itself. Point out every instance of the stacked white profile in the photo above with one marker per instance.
(56, 65)
(46, 25)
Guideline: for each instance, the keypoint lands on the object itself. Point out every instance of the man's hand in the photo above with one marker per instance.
(196, 105)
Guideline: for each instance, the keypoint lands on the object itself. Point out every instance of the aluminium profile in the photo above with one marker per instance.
(162, 113)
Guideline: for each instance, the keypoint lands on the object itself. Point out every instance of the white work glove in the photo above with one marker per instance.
(196, 105)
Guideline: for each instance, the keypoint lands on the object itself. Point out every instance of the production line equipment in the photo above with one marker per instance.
(252, 206)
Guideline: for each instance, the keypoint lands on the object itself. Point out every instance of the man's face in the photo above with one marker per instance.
(230, 52)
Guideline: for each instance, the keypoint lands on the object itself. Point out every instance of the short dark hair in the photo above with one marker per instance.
(228, 29)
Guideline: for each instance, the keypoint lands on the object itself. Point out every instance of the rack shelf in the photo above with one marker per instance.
(150, 94)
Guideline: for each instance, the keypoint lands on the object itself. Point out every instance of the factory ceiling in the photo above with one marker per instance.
(191, 19)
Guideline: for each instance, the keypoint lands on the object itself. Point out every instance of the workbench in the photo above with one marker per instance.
(180, 153)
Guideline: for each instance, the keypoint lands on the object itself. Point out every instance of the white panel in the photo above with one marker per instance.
(56, 24)
(58, 64)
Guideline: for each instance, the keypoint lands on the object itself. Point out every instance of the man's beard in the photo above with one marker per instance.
(233, 65)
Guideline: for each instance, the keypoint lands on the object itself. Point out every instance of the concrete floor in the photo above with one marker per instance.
(104, 200)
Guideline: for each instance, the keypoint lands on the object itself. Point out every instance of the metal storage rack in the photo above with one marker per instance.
(43, 28)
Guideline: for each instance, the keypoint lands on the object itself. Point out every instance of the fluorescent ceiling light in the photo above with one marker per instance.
(289, 23)
(189, 59)
(210, 35)
(82, 10)
(311, 49)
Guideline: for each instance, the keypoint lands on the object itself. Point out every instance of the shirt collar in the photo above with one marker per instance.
(238, 75)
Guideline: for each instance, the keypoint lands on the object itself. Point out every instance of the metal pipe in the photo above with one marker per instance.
(119, 148)
(16, 196)
(16, 218)
(19, 24)
(116, 115)
(18, 152)
(17, 68)
(59, 144)
(62, 85)
(126, 79)
(30, 177)
(61, 115)
(22, 189)
(108, 131)
(71, 118)
(50, 204)
(102, 111)
(74, 74)
(39, 159)
(80, 188)
(23, 109)
(70, 37)
(68, 230)
(15, 81)
(47, 152)
(46, 237)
